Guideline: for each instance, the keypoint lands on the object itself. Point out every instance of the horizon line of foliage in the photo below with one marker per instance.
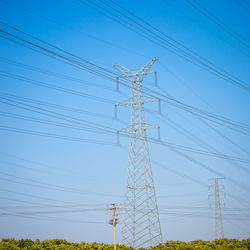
(58, 244)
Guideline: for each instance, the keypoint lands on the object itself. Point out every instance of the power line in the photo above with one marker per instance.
(209, 116)
(44, 185)
(179, 173)
(215, 154)
(55, 47)
(168, 42)
(68, 56)
(190, 17)
(183, 106)
(94, 127)
(55, 74)
(48, 218)
(196, 5)
(49, 19)
(57, 106)
(53, 114)
(243, 5)
(197, 140)
(55, 136)
(48, 122)
(204, 166)
(54, 87)
(39, 197)
(55, 211)
(42, 205)
(206, 123)
(40, 165)
(77, 139)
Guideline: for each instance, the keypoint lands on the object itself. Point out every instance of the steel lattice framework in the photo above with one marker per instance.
(216, 203)
(141, 224)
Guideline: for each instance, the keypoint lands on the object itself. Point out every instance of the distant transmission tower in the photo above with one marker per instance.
(216, 202)
(141, 224)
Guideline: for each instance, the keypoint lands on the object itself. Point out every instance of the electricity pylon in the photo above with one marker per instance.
(141, 224)
(216, 202)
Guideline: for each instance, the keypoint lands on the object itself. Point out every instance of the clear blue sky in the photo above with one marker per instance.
(30, 164)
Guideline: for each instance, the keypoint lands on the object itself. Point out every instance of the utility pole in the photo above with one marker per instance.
(216, 202)
(141, 224)
(114, 221)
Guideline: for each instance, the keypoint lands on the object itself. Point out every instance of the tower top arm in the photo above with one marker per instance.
(136, 73)
(148, 66)
(124, 70)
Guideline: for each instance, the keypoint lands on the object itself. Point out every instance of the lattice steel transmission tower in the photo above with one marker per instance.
(141, 224)
(216, 201)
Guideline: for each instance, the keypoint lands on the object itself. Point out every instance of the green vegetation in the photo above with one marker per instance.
(27, 244)
(222, 244)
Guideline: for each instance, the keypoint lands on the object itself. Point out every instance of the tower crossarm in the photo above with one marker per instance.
(129, 101)
(125, 72)
(123, 69)
(218, 178)
(131, 129)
